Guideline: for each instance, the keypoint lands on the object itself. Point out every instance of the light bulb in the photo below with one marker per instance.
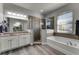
(24, 16)
(18, 14)
(14, 13)
(9, 13)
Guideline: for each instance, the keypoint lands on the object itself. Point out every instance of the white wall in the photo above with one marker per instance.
(74, 7)
(17, 9)
(1, 12)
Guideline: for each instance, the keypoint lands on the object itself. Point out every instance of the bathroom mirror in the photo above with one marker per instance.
(50, 25)
(43, 23)
(16, 25)
(3, 26)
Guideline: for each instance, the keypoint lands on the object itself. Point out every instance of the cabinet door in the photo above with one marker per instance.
(14, 42)
(4, 44)
(28, 41)
(1, 44)
(21, 40)
(25, 41)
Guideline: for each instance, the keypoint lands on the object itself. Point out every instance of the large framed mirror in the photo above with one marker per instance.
(50, 26)
(17, 25)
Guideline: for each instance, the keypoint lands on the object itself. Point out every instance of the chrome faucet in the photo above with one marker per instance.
(72, 44)
(69, 43)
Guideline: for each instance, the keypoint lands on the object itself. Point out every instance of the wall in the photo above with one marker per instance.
(17, 9)
(74, 7)
(1, 12)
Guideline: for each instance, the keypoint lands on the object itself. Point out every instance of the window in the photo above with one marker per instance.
(65, 22)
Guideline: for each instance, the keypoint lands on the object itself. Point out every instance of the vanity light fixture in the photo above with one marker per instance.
(17, 15)
(11, 13)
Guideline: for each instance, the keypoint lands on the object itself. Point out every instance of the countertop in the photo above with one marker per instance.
(14, 33)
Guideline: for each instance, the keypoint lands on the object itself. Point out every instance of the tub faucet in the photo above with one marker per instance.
(70, 42)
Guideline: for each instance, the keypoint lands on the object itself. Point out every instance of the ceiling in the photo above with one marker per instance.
(41, 7)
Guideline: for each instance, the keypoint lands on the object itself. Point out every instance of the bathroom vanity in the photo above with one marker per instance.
(9, 41)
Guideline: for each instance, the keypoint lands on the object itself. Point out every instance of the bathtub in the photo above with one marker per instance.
(65, 45)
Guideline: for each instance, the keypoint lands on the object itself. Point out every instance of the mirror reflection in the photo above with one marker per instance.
(50, 26)
(3, 26)
(15, 25)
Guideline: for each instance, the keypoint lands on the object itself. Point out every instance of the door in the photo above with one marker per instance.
(36, 29)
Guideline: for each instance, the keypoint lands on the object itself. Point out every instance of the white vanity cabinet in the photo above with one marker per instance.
(28, 39)
(21, 40)
(4, 44)
(14, 42)
(0, 44)
(24, 40)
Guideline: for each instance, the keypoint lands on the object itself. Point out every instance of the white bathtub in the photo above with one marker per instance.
(65, 45)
